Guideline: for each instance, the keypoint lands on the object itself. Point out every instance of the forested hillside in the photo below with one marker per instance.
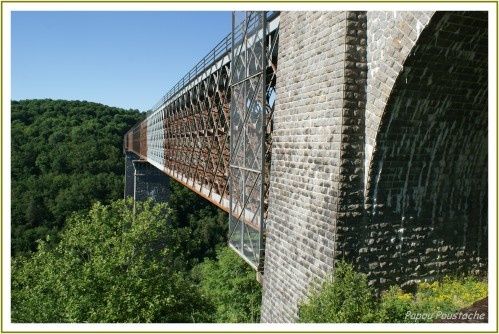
(65, 155)
(81, 254)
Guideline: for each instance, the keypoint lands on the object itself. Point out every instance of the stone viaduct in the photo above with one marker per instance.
(373, 147)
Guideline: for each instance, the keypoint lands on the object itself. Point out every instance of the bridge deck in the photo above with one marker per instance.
(186, 134)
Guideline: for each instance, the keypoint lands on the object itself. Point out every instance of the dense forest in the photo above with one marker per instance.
(65, 155)
(80, 254)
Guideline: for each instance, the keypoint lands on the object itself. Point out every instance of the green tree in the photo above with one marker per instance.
(207, 225)
(65, 156)
(343, 297)
(230, 285)
(109, 266)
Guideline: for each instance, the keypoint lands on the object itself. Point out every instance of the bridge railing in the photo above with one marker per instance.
(222, 49)
(213, 56)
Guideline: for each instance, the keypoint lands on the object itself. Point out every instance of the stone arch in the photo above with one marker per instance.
(426, 187)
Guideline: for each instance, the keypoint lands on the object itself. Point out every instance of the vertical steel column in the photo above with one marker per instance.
(263, 142)
(247, 141)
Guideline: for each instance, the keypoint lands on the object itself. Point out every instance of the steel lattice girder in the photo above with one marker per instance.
(187, 136)
(196, 141)
(252, 104)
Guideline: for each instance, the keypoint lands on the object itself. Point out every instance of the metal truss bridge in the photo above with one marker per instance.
(212, 132)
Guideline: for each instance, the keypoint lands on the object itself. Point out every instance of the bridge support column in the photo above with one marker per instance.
(317, 154)
(129, 173)
(150, 182)
(143, 180)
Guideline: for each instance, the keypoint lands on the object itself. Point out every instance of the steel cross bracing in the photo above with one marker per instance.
(188, 133)
(250, 125)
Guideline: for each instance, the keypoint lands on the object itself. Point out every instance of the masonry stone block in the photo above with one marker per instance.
(324, 126)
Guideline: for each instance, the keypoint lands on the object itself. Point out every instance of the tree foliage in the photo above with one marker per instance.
(65, 155)
(205, 223)
(346, 297)
(432, 300)
(343, 297)
(109, 266)
(230, 285)
(74, 262)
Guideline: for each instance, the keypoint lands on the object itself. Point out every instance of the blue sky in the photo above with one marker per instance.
(123, 59)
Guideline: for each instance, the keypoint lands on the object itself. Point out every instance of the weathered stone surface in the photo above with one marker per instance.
(429, 166)
(390, 38)
(318, 126)
(380, 150)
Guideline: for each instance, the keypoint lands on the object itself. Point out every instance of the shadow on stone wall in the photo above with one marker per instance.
(426, 193)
